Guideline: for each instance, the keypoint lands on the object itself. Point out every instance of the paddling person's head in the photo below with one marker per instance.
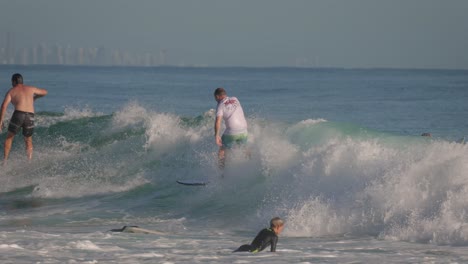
(277, 225)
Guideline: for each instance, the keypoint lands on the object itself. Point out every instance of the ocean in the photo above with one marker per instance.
(337, 153)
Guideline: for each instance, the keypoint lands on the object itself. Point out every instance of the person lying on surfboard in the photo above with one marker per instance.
(230, 110)
(266, 237)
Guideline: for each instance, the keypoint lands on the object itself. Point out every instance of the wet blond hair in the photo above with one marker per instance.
(276, 222)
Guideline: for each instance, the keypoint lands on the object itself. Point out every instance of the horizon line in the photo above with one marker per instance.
(236, 66)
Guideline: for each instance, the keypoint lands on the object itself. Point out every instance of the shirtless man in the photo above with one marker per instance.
(22, 97)
(230, 110)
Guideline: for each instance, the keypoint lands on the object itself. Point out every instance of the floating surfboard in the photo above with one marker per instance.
(192, 183)
(137, 229)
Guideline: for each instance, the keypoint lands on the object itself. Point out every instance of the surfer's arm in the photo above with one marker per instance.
(39, 93)
(217, 128)
(5, 103)
(274, 240)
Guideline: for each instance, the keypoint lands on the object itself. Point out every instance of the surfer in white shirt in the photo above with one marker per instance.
(230, 110)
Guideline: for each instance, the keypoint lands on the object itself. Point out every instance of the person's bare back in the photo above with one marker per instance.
(22, 97)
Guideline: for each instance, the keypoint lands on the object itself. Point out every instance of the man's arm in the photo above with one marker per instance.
(38, 93)
(217, 129)
(5, 103)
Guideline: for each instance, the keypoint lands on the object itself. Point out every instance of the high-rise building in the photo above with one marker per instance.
(43, 53)
(127, 59)
(56, 56)
(116, 58)
(101, 56)
(2, 56)
(34, 55)
(80, 56)
(301, 62)
(91, 55)
(24, 56)
(69, 55)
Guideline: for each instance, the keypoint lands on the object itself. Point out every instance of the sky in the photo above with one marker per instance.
(317, 33)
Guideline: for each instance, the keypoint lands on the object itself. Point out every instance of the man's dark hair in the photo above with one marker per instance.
(16, 79)
(219, 91)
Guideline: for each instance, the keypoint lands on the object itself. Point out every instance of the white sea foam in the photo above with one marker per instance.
(413, 193)
(131, 114)
(70, 113)
(10, 246)
(84, 245)
(84, 184)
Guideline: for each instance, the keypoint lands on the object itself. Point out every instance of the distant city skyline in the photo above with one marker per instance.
(303, 33)
(57, 54)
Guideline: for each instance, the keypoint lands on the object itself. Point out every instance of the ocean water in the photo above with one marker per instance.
(337, 153)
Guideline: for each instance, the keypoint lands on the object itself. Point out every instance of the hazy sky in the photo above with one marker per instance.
(337, 33)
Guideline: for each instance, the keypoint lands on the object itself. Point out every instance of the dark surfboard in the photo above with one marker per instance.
(192, 183)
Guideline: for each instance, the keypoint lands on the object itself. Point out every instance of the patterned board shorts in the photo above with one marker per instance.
(24, 120)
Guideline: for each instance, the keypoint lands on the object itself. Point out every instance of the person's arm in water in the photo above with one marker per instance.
(5, 103)
(274, 240)
(38, 93)
(217, 128)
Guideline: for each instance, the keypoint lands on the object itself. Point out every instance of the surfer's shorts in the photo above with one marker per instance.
(230, 141)
(23, 120)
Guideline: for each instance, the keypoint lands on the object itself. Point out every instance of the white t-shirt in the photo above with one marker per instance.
(231, 111)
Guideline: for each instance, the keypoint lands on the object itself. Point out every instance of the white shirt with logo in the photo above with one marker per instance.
(233, 115)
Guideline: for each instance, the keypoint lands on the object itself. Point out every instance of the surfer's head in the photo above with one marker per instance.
(219, 94)
(277, 224)
(16, 79)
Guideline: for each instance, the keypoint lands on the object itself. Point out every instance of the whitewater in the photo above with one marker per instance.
(336, 153)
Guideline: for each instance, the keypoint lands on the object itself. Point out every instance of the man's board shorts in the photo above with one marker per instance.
(24, 120)
(230, 141)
